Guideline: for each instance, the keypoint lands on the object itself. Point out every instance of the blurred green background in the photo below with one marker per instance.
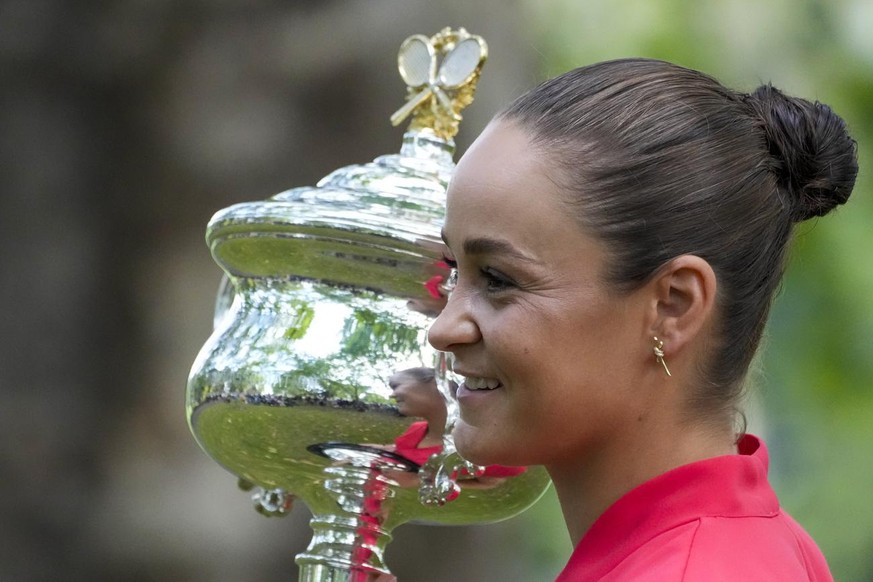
(125, 124)
(811, 393)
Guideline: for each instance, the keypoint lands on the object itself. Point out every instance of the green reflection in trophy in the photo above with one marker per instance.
(329, 291)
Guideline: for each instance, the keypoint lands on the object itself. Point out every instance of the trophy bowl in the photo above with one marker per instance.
(328, 292)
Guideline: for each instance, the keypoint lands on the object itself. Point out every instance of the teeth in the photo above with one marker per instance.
(481, 383)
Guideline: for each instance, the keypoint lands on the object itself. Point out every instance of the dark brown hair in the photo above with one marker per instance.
(660, 161)
(421, 375)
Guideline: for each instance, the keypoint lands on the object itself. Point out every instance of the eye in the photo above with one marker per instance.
(496, 281)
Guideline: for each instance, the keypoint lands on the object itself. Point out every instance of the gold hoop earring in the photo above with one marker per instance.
(659, 354)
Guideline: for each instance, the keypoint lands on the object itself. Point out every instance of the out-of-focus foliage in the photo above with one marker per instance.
(813, 384)
(126, 124)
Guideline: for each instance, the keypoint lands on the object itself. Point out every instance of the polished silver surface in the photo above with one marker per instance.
(329, 291)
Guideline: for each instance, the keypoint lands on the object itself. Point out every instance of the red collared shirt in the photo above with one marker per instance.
(714, 520)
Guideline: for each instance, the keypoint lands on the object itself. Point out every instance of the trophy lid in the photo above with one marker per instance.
(388, 212)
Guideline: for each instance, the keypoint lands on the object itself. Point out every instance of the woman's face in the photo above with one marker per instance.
(546, 347)
(414, 397)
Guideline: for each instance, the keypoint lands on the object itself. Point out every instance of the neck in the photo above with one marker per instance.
(587, 489)
(436, 426)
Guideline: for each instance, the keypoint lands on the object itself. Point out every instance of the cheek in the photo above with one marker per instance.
(510, 328)
(591, 331)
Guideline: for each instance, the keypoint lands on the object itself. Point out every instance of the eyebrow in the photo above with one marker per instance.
(486, 245)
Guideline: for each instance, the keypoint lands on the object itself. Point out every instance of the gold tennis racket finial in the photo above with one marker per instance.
(441, 73)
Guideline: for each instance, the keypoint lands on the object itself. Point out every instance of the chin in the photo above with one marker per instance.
(479, 448)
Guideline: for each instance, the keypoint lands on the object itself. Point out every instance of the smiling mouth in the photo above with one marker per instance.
(472, 383)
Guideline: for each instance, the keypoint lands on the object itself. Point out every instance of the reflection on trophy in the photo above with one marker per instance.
(324, 310)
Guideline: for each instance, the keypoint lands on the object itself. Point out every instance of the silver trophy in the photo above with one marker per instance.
(329, 291)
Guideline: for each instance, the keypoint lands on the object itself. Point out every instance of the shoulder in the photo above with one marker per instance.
(755, 548)
(662, 558)
(716, 519)
(771, 549)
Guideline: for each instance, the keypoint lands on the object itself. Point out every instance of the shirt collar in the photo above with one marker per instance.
(726, 486)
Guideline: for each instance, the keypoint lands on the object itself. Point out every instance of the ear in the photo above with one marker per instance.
(683, 301)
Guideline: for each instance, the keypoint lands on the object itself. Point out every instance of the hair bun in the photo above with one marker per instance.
(815, 157)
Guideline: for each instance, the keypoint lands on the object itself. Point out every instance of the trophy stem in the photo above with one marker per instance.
(349, 546)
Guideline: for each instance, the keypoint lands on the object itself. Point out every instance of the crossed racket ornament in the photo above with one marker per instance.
(441, 73)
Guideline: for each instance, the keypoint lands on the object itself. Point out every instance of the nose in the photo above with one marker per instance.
(455, 325)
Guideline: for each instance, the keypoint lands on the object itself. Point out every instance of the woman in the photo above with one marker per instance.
(416, 394)
(618, 234)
